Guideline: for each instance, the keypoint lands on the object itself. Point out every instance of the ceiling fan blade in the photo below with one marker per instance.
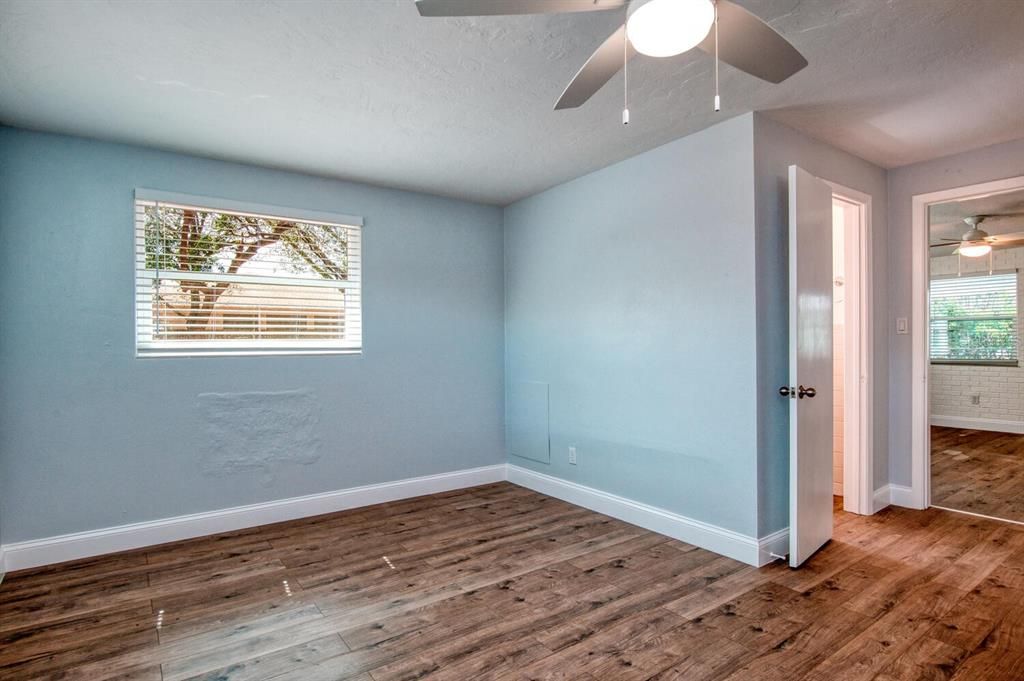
(951, 243)
(751, 45)
(483, 8)
(1003, 238)
(606, 61)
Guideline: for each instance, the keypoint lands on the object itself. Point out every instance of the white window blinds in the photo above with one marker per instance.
(974, 318)
(210, 280)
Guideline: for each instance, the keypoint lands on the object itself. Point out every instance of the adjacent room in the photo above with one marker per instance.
(976, 383)
(511, 340)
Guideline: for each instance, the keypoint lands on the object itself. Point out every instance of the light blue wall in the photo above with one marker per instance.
(645, 315)
(981, 165)
(91, 437)
(630, 292)
(776, 147)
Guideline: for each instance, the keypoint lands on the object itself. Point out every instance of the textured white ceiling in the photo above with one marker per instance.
(369, 90)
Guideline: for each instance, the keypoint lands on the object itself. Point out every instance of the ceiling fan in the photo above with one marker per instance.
(976, 242)
(656, 28)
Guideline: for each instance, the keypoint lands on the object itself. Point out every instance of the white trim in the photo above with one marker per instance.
(882, 497)
(34, 553)
(858, 412)
(901, 495)
(247, 353)
(980, 515)
(217, 203)
(893, 495)
(969, 423)
(735, 545)
(772, 547)
(3, 565)
(51, 550)
(920, 456)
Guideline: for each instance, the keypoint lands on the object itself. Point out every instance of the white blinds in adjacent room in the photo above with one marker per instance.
(974, 318)
(216, 281)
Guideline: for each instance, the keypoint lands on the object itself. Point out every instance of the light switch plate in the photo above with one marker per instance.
(901, 325)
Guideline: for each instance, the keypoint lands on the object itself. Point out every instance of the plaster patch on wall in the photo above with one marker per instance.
(258, 431)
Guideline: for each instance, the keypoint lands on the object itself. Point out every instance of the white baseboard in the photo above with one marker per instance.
(901, 495)
(718, 539)
(27, 554)
(970, 423)
(894, 495)
(3, 565)
(882, 498)
(50, 550)
(773, 546)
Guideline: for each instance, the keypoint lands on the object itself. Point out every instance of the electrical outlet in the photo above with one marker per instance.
(975, 399)
(572, 455)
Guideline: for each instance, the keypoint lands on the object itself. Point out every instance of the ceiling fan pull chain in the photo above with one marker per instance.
(718, 100)
(625, 76)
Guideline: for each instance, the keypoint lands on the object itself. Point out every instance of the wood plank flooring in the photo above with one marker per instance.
(978, 471)
(498, 582)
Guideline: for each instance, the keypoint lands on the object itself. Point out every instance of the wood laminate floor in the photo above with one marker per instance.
(498, 582)
(978, 471)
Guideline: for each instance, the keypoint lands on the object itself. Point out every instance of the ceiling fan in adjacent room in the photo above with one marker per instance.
(656, 28)
(976, 242)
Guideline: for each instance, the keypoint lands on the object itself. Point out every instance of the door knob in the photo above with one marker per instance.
(787, 391)
(806, 392)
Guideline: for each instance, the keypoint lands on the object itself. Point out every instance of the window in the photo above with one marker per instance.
(974, 319)
(213, 277)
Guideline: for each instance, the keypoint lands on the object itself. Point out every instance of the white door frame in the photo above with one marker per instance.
(858, 402)
(920, 435)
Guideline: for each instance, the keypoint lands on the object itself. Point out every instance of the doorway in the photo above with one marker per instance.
(852, 449)
(968, 384)
(923, 354)
(829, 294)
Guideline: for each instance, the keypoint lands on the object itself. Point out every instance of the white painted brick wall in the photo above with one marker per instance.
(1001, 388)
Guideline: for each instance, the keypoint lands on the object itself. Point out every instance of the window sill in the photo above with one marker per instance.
(157, 354)
(975, 363)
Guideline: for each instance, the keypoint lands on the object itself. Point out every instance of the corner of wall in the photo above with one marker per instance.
(771, 265)
(776, 146)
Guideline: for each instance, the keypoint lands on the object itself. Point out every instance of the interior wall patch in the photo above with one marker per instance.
(258, 431)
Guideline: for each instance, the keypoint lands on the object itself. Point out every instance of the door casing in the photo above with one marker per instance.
(858, 405)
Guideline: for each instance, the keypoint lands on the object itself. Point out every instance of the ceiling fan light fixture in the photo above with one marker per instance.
(665, 28)
(975, 250)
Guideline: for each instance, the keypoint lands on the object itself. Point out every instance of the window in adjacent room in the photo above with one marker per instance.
(974, 319)
(213, 279)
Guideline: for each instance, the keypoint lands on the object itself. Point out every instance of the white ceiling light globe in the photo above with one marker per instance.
(664, 28)
(975, 250)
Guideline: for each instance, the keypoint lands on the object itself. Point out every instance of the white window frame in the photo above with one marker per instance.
(146, 348)
(939, 361)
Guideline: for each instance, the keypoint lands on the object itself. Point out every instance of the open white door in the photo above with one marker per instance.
(810, 364)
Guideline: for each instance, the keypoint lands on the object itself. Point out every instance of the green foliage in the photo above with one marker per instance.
(208, 241)
(982, 339)
(980, 326)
